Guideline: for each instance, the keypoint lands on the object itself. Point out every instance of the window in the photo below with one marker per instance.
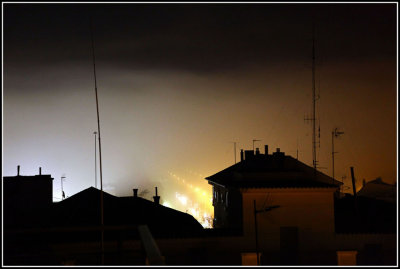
(348, 257)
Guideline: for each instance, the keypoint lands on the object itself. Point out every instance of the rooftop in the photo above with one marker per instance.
(277, 170)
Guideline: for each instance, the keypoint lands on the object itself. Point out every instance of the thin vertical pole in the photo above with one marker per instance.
(234, 149)
(61, 189)
(314, 152)
(95, 159)
(333, 157)
(101, 171)
(256, 232)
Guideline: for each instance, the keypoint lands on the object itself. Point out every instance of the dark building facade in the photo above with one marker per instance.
(26, 196)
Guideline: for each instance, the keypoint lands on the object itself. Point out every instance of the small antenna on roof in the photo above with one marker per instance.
(254, 140)
(234, 149)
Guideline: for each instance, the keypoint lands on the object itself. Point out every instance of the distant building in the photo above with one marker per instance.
(378, 189)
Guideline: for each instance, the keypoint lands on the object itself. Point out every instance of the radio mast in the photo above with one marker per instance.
(98, 130)
(314, 99)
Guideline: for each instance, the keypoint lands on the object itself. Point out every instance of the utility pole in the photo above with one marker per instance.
(254, 140)
(101, 171)
(95, 159)
(335, 133)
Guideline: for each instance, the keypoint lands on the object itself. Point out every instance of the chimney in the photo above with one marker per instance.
(40, 171)
(257, 151)
(278, 150)
(266, 149)
(248, 154)
(241, 155)
(156, 198)
(18, 170)
(364, 182)
(353, 181)
(135, 192)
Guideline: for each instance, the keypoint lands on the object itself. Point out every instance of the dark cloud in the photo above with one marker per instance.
(197, 37)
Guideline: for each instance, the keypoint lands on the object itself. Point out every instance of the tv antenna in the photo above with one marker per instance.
(315, 97)
(335, 134)
(254, 140)
(234, 148)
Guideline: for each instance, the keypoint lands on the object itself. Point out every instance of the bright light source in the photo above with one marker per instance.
(183, 199)
(166, 204)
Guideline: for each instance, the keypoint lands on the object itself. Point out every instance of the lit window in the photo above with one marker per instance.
(348, 257)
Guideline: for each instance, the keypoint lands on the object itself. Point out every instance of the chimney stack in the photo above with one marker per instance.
(257, 151)
(364, 182)
(156, 198)
(40, 171)
(266, 149)
(241, 155)
(353, 181)
(18, 170)
(248, 154)
(135, 192)
(278, 150)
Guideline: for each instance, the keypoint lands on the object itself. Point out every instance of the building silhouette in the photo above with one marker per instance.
(267, 204)
(378, 189)
(300, 216)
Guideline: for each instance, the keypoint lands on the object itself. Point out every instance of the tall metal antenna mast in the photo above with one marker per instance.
(98, 130)
(313, 119)
(95, 159)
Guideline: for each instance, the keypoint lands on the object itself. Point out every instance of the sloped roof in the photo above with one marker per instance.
(272, 171)
(379, 190)
(83, 209)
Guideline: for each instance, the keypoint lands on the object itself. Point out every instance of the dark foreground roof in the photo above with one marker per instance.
(83, 209)
(272, 171)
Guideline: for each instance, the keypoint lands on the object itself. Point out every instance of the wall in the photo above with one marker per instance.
(310, 210)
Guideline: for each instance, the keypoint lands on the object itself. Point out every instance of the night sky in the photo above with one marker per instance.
(178, 83)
